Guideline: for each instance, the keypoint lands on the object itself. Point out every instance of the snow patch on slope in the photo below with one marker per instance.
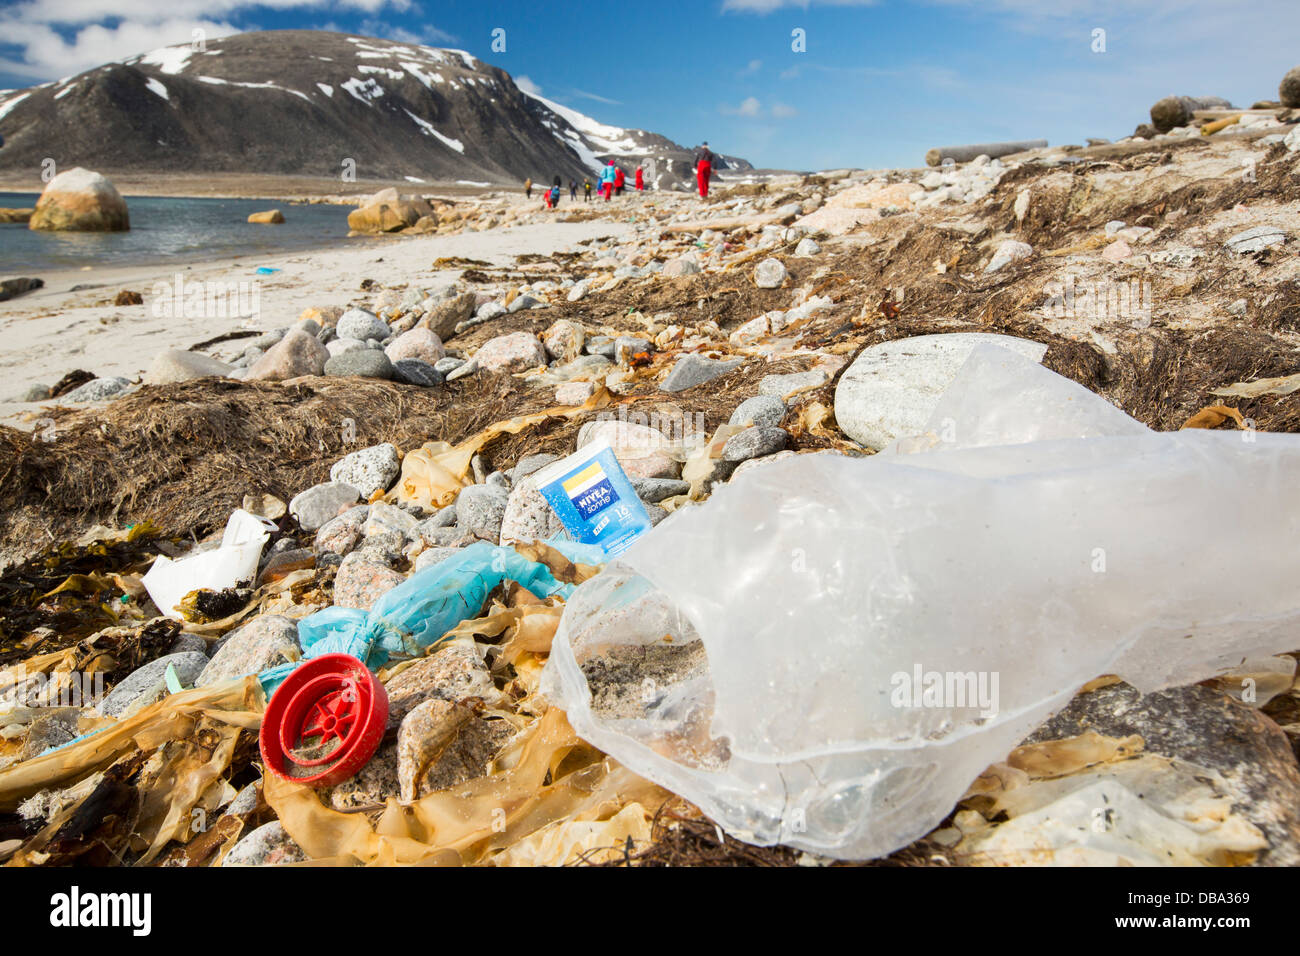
(154, 87)
(429, 130)
(367, 92)
(10, 104)
(168, 59)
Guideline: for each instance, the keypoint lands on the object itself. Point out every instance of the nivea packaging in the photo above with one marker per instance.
(592, 496)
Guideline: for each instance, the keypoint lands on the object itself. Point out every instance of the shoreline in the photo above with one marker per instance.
(54, 330)
(269, 186)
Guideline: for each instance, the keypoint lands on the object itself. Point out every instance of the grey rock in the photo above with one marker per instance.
(362, 324)
(806, 249)
(625, 346)
(778, 386)
(460, 371)
(97, 390)
(443, 518)
(447, 365)
(770, 274)
(318, 504)
(1254, 240)
(444, 317)
(527, 516)
(12, 288)
(601, 345)
(54, 728)
(189, 643)
(365, 363)
(268, 845)
(340, 535)
(760, 410)
(431, 556)
(339, 346)
(151, 680)
(362, 580)
(370, 469)
(522, 302)
(681, 266)
(245, 801)
(479, 510)
(692, 370)
(265, 641)
(488, 311)
(754, 443)
(37, 393)
(453, 672)
(754, 463)
(1007, 253)
(654, 490)
(1205, 727)
(415, 372)
(529, 464)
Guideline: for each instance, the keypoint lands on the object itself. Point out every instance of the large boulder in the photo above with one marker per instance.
(1288, 91)
(1177, 110)
(178, 365)
(893, 388)
(385, 217)
(513, 352)
(80, 201)
(443, 318)
(416, 344)
(298, 353)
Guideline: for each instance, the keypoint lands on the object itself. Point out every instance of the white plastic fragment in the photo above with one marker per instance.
(234, 561)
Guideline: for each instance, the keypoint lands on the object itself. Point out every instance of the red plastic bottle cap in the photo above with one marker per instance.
(329, 698)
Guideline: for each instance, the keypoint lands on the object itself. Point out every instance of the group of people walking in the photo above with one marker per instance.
(613, 180)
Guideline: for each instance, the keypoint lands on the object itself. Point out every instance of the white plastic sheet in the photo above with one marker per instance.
(1035, 539)
(234, 561)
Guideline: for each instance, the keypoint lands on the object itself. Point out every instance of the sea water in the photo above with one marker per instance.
(171, 230)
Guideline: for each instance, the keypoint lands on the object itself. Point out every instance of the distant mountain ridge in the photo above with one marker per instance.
(306, 102)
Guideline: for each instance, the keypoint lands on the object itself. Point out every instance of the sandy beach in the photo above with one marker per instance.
(54, 330)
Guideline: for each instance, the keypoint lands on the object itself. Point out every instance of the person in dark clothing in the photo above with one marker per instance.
(704, 160)
(586, 185)
(573, 191)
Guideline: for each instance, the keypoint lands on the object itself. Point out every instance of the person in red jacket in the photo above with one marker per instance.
(619, 179)
(703, 168)
(640, 179)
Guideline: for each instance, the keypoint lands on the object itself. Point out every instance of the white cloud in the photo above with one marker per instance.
(51, 38)
(47, 54)
(790, 73)
(782, 111)
(753, 66)
(527, 85)
(750, 106)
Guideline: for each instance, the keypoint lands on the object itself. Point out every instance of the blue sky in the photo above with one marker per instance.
(880, 81)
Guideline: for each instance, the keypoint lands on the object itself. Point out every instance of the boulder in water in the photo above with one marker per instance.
(80, 201)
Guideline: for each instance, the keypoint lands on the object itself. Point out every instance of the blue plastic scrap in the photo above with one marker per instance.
(423, 608)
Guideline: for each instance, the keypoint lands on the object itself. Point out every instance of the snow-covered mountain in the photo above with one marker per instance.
(316, 103)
